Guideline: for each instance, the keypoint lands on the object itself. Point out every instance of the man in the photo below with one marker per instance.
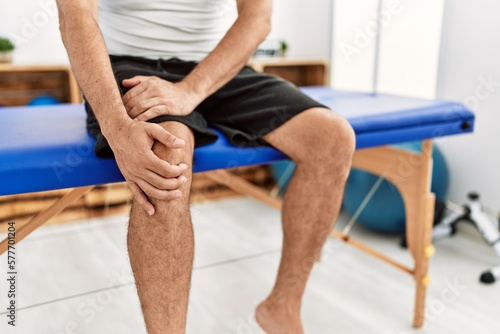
(175, 66)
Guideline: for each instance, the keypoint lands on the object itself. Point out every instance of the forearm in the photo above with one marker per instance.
(232, 53)
(91, 66)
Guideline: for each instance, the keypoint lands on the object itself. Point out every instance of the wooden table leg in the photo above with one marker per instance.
(242, 186)
(45, 215)
(419, 204)
(421, 248)
(410, 172)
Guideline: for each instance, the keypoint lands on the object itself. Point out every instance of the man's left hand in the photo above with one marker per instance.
(151, 96)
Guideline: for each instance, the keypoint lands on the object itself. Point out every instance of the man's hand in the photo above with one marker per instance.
(151, 96)
(146, 174)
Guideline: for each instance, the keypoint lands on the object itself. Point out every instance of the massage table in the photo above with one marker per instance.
(47, 148)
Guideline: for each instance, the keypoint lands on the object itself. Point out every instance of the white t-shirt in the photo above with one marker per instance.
(186, 29)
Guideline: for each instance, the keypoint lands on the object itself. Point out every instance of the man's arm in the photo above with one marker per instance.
(131, 141)
(252, 26)
(90, 61)
(249, 30)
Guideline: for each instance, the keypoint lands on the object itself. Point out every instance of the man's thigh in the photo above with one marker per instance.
(252, 105)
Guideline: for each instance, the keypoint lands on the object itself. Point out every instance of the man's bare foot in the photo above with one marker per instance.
(276, 319)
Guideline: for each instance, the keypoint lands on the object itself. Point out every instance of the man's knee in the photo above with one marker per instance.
(165, 208)
(330, 139)
(344, 140)
(178, 156)
(181, 155)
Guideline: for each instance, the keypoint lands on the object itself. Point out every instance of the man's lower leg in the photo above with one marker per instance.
(161, 250)
(310, 208)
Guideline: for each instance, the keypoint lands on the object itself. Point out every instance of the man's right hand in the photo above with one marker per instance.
(148, 176)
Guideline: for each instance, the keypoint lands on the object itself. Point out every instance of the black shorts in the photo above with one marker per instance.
(247, 108)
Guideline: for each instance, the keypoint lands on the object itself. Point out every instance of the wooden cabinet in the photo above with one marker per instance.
(300, 71)
(20, 84)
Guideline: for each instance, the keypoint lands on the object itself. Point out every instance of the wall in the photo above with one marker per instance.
(409, 56)
(409, 46)
(352, 61)
(470, 57)
(33, 26)
(430, 48)
(305, 25)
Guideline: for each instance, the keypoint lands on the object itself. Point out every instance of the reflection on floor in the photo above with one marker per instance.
(75, 278)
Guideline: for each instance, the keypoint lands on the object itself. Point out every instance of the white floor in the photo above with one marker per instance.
(75, 278)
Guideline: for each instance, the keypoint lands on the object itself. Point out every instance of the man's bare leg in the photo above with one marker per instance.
(322, 145)
(161, 247)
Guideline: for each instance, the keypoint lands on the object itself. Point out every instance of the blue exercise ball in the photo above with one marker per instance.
(44, 100)
(282, 172)
(385, 212)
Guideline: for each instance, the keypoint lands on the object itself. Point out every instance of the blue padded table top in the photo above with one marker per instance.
(46, 148)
